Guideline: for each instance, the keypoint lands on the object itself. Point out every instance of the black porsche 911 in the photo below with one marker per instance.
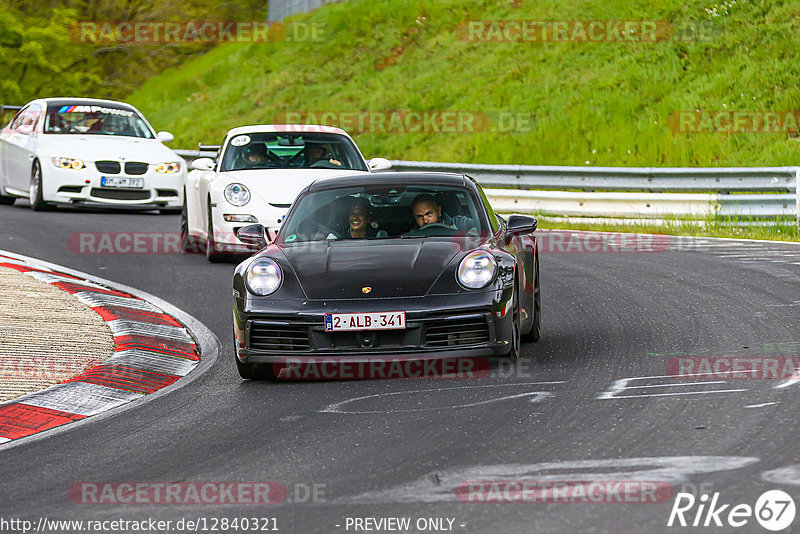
(401, 265)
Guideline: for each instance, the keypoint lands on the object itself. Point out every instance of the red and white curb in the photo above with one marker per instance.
(151, 351)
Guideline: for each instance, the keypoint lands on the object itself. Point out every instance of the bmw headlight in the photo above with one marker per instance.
(476, 270)
(237, 194)
(68, 163)
(171, 167)
(263, 277)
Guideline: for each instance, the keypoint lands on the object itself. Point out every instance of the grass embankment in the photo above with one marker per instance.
(604, 103)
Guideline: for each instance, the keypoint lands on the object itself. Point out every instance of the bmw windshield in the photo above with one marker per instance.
(95, 120)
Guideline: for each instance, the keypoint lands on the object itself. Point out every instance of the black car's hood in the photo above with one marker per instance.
(396, 268)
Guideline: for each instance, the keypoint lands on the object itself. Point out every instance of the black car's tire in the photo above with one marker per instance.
(212, 254)
(35, 192)
(515, 351)
(247, 370)
(535, 332)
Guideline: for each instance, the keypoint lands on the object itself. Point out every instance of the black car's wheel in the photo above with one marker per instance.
(212, 254)
(247, 371)
(35, 191)
(516, 332)
(536, 328)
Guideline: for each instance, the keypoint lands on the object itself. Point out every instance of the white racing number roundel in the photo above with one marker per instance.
(240, 140)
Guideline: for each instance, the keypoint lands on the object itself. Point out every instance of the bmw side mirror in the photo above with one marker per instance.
(521, 224)
(379, 164)
(253, 234)
(165, 137)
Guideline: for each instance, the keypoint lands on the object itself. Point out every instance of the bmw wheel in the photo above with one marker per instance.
(35, 191)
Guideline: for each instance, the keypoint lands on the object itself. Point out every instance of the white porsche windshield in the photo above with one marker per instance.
(95, 120)
(279, 150)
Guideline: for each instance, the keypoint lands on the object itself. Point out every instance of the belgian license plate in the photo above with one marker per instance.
(365, 321)
(122, 181)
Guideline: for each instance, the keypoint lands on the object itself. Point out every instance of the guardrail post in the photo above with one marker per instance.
(797, 196)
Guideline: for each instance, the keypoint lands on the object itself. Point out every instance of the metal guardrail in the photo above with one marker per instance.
(627, 192)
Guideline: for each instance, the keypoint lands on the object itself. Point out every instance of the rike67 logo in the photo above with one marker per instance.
(774, 510)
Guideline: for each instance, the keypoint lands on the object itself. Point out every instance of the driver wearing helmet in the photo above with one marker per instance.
(255, 156)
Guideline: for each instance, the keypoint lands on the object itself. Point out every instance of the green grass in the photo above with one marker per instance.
(598, 104)
(604, 103)
(781, 230)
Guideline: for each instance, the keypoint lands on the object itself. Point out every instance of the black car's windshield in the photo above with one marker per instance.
(393, 212)
(279, 150)
(95, 120)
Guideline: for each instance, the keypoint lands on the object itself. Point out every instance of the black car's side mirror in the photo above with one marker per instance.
(521, 224)
(253, 234)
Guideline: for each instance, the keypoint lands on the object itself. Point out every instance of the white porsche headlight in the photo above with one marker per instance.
(171, 167)
(68, 163)
(263, 277)
(476, 270)
(237, 194)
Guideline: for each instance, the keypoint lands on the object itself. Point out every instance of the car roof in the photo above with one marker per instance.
(390, 178)
(289, 128)
(64, 101)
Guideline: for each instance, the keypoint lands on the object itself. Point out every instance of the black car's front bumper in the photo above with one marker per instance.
(437, 327)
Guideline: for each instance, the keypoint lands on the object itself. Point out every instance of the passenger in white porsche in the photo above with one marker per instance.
(318, 156)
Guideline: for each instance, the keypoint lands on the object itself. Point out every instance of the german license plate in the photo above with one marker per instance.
(122, 181)
(365, 321)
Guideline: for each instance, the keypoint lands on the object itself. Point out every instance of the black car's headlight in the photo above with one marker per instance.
(237, 194)
(476, 270)
(263, 277)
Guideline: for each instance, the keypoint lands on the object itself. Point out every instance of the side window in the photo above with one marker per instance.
(18, 119)
(489, 211)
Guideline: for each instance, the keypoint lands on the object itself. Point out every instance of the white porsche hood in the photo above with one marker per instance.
(279, 187)
(105, 147)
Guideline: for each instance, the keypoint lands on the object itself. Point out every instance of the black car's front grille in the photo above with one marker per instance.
(456, 332)
(277, 337)
(108, 167)
(135, 168)
(120, 194)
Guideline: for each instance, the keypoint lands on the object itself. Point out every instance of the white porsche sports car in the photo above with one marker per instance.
(256, 175)
(83, 151)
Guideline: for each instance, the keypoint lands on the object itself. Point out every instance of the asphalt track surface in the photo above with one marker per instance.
(402, 446)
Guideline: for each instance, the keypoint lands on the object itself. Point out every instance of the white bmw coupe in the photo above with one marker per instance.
(256, 175)
(83, 151)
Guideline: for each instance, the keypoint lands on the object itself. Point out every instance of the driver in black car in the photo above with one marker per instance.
(427, 211)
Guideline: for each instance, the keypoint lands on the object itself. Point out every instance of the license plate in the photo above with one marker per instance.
(122, 181)
(365, 321)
